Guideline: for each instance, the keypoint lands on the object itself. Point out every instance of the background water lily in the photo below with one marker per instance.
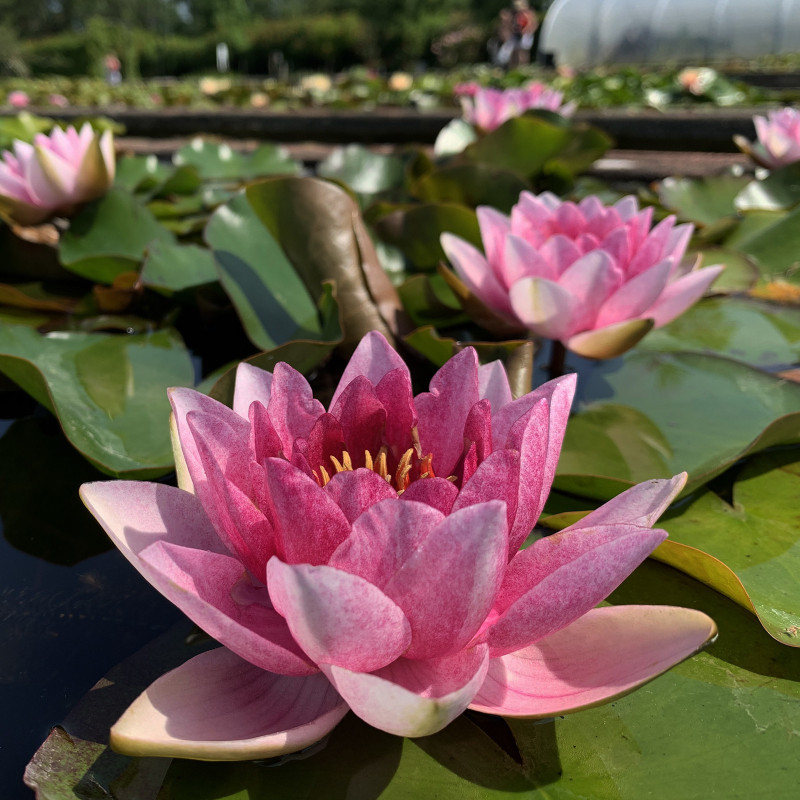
(55, 174)
(778, 138)
(596, 278)
(488, 108)
(369, 558)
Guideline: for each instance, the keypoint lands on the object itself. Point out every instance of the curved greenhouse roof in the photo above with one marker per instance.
(593, 32)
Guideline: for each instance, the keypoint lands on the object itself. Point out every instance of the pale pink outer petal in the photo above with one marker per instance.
(522, 260)
(559, 578)
(473, 268)
(494, 227)
(493, 385)
(51, 178)
(373, 358)
(413, 698)
(470, 548)
(546, 308)
(590, 280)
(642, 504)
(252, 384)
(202, 585)
(138, 515)
(606, 653)
(635, 296)
(680, 294)
(338, 618)
(219, 707)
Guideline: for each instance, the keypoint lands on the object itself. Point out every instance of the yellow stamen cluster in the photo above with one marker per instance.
(402, 475)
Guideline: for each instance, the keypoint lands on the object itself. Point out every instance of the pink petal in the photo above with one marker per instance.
(218, 707)
(636, 296)
(50, 178)
(473, 268)
(355, 492)
(186, 400)
(338, 618)
(559, 578)
(443, 411)
(362, 417)
(264, 439)
(591, 280)
(395, 393)
(522, 260)
(604, 654)
(252, 384)
(560, 252)
(413, 698)
(309, 525)
(292, 407)
(493, 385)
(439, 493)
(680, 294)
(641, 505)
(373, 358)
(383, 538)
(201, 583)
(545, 307)
(470, 547)
(654, 247)
(494, 226)
(325, 441)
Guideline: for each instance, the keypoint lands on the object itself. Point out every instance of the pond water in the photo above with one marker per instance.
(68, 612)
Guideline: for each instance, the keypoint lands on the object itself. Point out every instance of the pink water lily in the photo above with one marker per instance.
(596, 278)
(55, 174)
(368, 558)
(778, 138)
(488, 108)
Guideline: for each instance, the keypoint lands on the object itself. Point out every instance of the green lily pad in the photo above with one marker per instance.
(109, 392)
(109, 237)
(778, 191)
(471, 185)
(428, 300)
(776, 248)
(270, 298)
(653, 415)
(366, 173)
(750, 549)
(757, 333)
(140, 173)
(417, 230)
(702, 200)
(219, 162)
(174, 267)
(740, 274)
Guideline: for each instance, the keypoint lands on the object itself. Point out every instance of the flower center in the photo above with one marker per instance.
(409, 468)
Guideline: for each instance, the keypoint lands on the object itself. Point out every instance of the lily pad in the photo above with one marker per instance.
(702, 200)
(365, 172)
(778, 191)
(453, 138)
(219, 162)
(110, 237)
(109, 392)
(653, 415)
(174, 267)
(749, 549)
(760, 334)
(416, 231)
(776, 248)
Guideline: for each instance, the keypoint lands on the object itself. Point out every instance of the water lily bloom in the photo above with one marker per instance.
(596, 278)
(55, 174)
(18, 99)
(368, 558)
(778, 141)
(488, 108)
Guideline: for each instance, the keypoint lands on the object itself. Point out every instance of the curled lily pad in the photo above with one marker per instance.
(108, 391)
(748, 549)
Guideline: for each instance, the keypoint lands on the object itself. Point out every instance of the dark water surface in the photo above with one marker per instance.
(69, 612)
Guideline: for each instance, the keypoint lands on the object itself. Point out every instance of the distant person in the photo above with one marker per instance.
(523, 27)
(113, 69)
(501, 45)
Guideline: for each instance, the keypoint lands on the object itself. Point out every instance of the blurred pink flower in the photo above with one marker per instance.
(778, 142)
(488, 108)
(58, 100)
(594, 277)
(55, 174)
(368, 557)
(18, 99)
